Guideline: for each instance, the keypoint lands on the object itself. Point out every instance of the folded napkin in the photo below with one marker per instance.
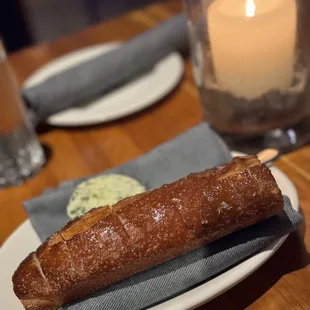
(103, 73)
(195, 150)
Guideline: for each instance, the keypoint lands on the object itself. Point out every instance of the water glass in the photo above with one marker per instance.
(21, 155)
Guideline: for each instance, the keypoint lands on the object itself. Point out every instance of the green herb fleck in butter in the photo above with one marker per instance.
(102, 191)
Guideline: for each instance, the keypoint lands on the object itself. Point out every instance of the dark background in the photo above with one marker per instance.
(13, 27)
(27, 22)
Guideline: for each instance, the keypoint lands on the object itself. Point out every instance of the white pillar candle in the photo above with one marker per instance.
(252, 45)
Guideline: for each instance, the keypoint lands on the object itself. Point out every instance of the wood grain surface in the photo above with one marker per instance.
(281, 283)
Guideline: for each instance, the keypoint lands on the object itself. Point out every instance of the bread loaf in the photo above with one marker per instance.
(109, 244)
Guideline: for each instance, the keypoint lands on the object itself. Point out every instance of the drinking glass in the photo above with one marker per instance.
(21, 154)
(251, 65)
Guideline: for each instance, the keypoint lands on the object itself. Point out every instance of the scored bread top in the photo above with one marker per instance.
(110, 243)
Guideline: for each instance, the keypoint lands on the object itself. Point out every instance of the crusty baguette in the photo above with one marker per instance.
(112, 243)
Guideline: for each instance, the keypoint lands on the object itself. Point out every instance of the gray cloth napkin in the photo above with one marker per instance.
(194, 150)
(103, 73)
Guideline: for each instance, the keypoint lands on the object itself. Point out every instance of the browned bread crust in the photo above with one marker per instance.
(112, 243)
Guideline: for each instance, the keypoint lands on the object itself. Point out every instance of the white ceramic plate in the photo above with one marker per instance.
(128, 99)
(24, 240)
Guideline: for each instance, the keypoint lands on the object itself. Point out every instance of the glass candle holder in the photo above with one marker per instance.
(250, 62)
(21, 154)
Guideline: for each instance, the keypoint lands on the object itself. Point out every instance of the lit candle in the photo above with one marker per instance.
(252, 45)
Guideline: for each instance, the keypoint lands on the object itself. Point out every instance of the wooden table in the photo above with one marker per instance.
(281, 283)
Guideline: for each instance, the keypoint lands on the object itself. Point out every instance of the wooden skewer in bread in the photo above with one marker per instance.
(109, 244)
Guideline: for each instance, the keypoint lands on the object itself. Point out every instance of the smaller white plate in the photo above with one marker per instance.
(128, 99)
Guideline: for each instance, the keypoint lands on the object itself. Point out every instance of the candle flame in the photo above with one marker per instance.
(250, 8)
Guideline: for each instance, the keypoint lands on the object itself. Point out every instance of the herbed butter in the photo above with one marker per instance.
(102, 191)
